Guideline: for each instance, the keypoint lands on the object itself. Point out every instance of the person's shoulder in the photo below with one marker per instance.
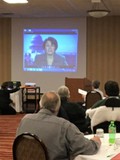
(75, 105)
(28, 116)
(66, 124)
(101, 108)
(62, 121)
(59, 56)
(40, 56)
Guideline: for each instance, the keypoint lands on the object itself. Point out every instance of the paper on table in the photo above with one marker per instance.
(105, 153)
(83, 92)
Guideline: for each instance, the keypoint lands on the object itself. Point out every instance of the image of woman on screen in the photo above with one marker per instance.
(50, 57)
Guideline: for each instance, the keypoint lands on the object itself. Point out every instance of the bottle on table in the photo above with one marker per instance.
(112, 132)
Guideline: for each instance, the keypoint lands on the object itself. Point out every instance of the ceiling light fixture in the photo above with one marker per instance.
(15, 1)
(99, 9)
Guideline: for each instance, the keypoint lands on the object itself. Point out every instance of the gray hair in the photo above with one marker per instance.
(64, 91)
(51, 101)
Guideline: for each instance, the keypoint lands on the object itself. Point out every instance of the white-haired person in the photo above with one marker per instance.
(62, 138)
(75, 112)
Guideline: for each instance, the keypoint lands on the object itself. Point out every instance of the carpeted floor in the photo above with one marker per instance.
(8, 126)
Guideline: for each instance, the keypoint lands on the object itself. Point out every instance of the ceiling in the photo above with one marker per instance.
(54, 8)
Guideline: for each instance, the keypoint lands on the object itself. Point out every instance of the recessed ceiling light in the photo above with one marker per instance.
(16, 1)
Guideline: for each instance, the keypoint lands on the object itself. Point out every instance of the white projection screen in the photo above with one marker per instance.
(28, 36)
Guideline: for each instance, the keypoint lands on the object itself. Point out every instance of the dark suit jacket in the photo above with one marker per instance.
(76, 114)
(5, 101)
(59, 61)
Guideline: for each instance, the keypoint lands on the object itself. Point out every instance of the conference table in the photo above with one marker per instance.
(106, 152)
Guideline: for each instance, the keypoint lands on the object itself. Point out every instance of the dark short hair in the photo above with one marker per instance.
(111, 88)
(52, 40)
(96, 84)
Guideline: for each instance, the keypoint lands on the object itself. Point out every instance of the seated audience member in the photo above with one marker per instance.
(111, 90)
(95, 87)
(5, 101)
(62, 113)
(108, 108)
(62, 138)
(105, 113)
(75, 112)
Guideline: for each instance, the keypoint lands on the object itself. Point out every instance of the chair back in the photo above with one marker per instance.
(112, 102)
(105, 125)
(91, 98)
(28, 147)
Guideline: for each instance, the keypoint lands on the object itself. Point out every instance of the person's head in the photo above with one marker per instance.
(51, 101)
(111, 88)
(96, 84)
(64, 92)
(50, 45)
(6, 85)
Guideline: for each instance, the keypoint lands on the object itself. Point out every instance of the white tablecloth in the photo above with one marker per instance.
(17, 99)
(106, 151)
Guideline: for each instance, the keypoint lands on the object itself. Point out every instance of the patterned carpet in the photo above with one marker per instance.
(8, 126)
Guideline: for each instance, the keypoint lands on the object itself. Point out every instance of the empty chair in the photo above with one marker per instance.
(28, 147)
(91, 98)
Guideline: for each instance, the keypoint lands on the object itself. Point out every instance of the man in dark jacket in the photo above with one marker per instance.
(75, 112)
(5, 101)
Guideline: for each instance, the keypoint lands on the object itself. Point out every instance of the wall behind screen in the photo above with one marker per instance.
(47, 81)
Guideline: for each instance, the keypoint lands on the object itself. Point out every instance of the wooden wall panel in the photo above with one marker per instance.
(5, 49)
(103, 49)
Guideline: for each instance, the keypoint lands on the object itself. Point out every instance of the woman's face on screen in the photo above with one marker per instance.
(49, 48)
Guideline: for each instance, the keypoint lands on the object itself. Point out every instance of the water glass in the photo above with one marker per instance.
(117, 143)
(100, 132)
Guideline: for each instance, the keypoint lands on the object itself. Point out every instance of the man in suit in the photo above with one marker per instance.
(75, 112)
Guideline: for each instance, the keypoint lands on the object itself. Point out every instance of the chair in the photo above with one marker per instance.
(112, 102)
(105, 125)
(28, 147)
(91, 98)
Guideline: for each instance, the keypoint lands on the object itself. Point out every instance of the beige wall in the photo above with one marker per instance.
(103, 49)
(47, 80)
(5, 49)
